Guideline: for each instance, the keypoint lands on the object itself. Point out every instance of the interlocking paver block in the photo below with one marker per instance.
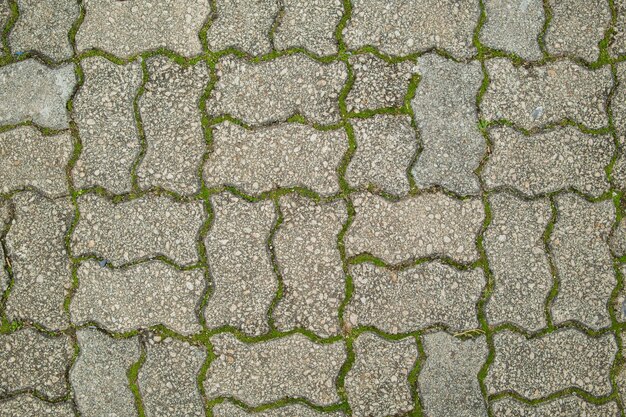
(618, 110)
(377, 384)
(26, 405)
(288, 367)
(285, 155)
(619, 303)
(446, 115)
(401, 27)
(310, 265)
(29, 159)
(618, 239)
(571, 406)
(142, 228)
(30, 91)
(104, 113)
(536, 96)
(617, 46)
(535, 368)
(386, 146)
(243, 279)
(272, 91)
(228, 409)
(99, 380)
(426, 225)
(126, 28)
(580, 247)
(41, 268)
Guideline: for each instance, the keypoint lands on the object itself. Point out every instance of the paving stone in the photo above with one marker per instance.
(580, 249)
(168, 379)
(537, 96)
(30, 360)
(30, 91)
(99, 380)
(26, 405)
(310, 265)
(104, 113)
(425, 225)
(401, 27)
(5, 13)
(618, 239)
(244, 283)
(284, 155)
(228, 409)
(377, 384)
(414, 298)
(41, 268)
(273, 91)
(43, 26)
(386, 146)
(576, 27)
(570, 406)
(173, 125)
(617, 46)
(516, 254)
(619, 303)
(5, 221)
(141, 228)
(554, 160)
(126, 28)
(445, 112)
(288, 367)
(310, 25)
(29, 159)
(448, 381)
(618, 110)
(514, 26)
(138, 297)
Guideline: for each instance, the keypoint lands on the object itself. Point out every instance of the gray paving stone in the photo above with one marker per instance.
(414, 298)
(228, 409)
(617, 46)
(41, 268)
(448, 381)
(426, 225)
(618, 110)
(445, 112)
(618, 239)
(5, 14)
(273, 91)
(104, 113)
(284, 155)
(536, 368)
(30, 91)
(377, 384)
(619, 303)
(264, 372)
(5, 221)
(580, 247)
(173, 125)
(400, 27)
(126, 28)
(570, 406)
(99, 380)
(244, 283)
(26, 405)
(30, 160)
(554, 160)
(386, 146)
(142, 228)
(536, 96)
(310, 265)
(43, 26)
(516, 254)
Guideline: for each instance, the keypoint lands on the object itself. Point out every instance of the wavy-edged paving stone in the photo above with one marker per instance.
(172, 124)
(273, 91)
(618, 111)
(126, 28)
(444, 107)
(619, 303)
(228, 409)
(386, 146)
(30, 91)
(516, 254)
(310, 265)
(141, 228)
(536, 96)
(580, 247)
(27, 405)
(30, 159)
(138, 297)
(41, 267)
(104, 113)
(99, 376)
(285, 155)
(431, 224)
(618, 239)
(401, 27)
(570, 406)
(448, 381)
(617, 46)
(244, 283)
(377, 383)
(264, 372)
